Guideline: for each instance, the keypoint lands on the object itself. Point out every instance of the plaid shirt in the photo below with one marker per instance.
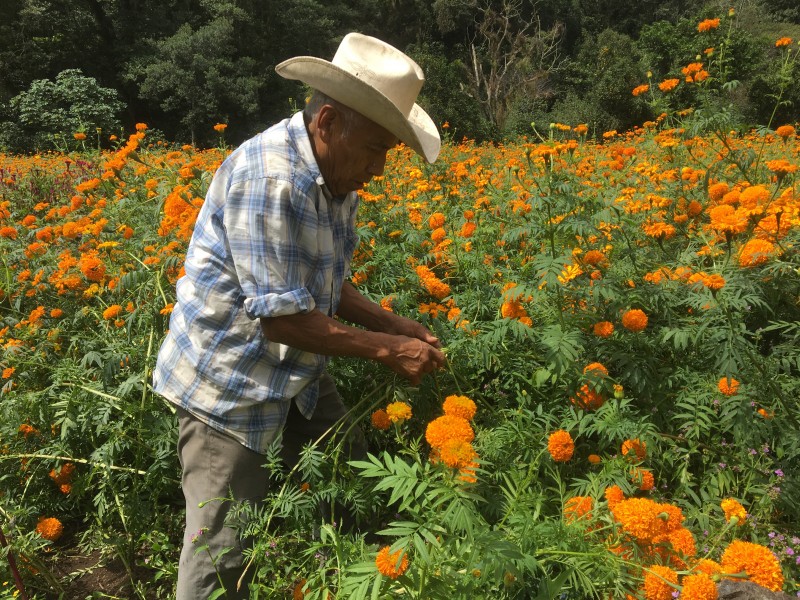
(269, 241)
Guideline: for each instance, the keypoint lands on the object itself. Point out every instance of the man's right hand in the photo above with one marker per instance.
(413, 358)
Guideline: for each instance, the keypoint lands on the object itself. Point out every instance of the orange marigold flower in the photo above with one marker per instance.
(707, 25)
(297, 592)
(727, 387)
(8, 372)
(699, 586)
(636, 448)
(682, 542)
(643, 478)
(717, 190)
(92, 268)
(220, 127)
(597, 369)
(8, 232)
(603, 329)
(141, 127)
(640, 518)
(398, 412)
(613, 494)
(707, 566)
(460, 406)
(641, 89)
(594, 459)
(467, 229)
(784, 41)
(27, 430)
(785, 131)
(755, 252)
(714, 282)
(435, 287)
(50, 528)
(657, 582)
(448, 427)
(733, 510)
(560, 445)
(457, 454)
(112, 312)
(578, 507)
(760, 564)
(594, 258)
(80, 136)
(380, 420)
(781, 167)
(391, 565)
(668, 85)
(436, 220)
(634, 320)
(587, 398)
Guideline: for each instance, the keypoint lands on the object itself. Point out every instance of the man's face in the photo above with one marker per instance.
(351, 158)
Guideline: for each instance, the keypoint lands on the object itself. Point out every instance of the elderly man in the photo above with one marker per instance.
(255, 321)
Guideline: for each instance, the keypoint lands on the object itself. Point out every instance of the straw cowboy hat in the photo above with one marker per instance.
(376, 80)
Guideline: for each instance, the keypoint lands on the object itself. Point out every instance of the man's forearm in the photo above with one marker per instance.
(316, 332)
(354, 307)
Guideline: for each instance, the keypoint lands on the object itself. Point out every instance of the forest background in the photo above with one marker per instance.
(493, 67)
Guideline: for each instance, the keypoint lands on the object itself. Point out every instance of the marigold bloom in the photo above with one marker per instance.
(391, 565)
(80, 136)
(594, 258)
(448, 427)
(668, 85)
(699, 586)
(436, 220)
(733, 509)
(460, 406)
(755, 252)
(398, 412)
(587, 398)
(785, 131)
(8, 372)
(220, 127)
(597, 369)
(50, 528)
(578, 507)
(643, 478)
(380, 420)
(644, 519)
(467, 229)
(781, 167)
(707, 25)
(707, 566)
(760, 564)
(435, 287)
(603, 329)
(657, 581)
(92, 268)
(727, 387)
(641, 89)
(784, 41)
(457, 454)
(8, 232)
(634, 320)
(635, 449)
(560, 446)
(112, 312)
(594, 459)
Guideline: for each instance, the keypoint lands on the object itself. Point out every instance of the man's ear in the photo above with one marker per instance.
(328, 122)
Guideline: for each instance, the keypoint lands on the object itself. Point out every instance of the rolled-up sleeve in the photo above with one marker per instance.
(271, 231)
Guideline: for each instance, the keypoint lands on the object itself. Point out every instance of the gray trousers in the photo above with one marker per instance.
(217, 466)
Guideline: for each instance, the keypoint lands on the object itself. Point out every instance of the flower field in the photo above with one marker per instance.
(618, 416)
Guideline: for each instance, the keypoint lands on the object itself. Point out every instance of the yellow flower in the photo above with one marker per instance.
(398, 412)
(733, 510)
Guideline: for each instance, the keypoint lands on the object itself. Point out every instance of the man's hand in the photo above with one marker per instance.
(404, 326)
(413, 357)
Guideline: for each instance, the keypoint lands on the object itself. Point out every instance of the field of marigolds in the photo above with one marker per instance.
(618, 417)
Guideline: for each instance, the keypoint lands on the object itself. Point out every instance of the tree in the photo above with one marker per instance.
(510, 54)
(198, 76)
(72, 103)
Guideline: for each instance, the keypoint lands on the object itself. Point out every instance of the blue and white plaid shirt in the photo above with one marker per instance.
(269, 241)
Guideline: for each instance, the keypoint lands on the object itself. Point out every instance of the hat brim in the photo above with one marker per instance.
(418, 130)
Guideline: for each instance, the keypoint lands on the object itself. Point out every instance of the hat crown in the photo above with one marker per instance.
(382, 67)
